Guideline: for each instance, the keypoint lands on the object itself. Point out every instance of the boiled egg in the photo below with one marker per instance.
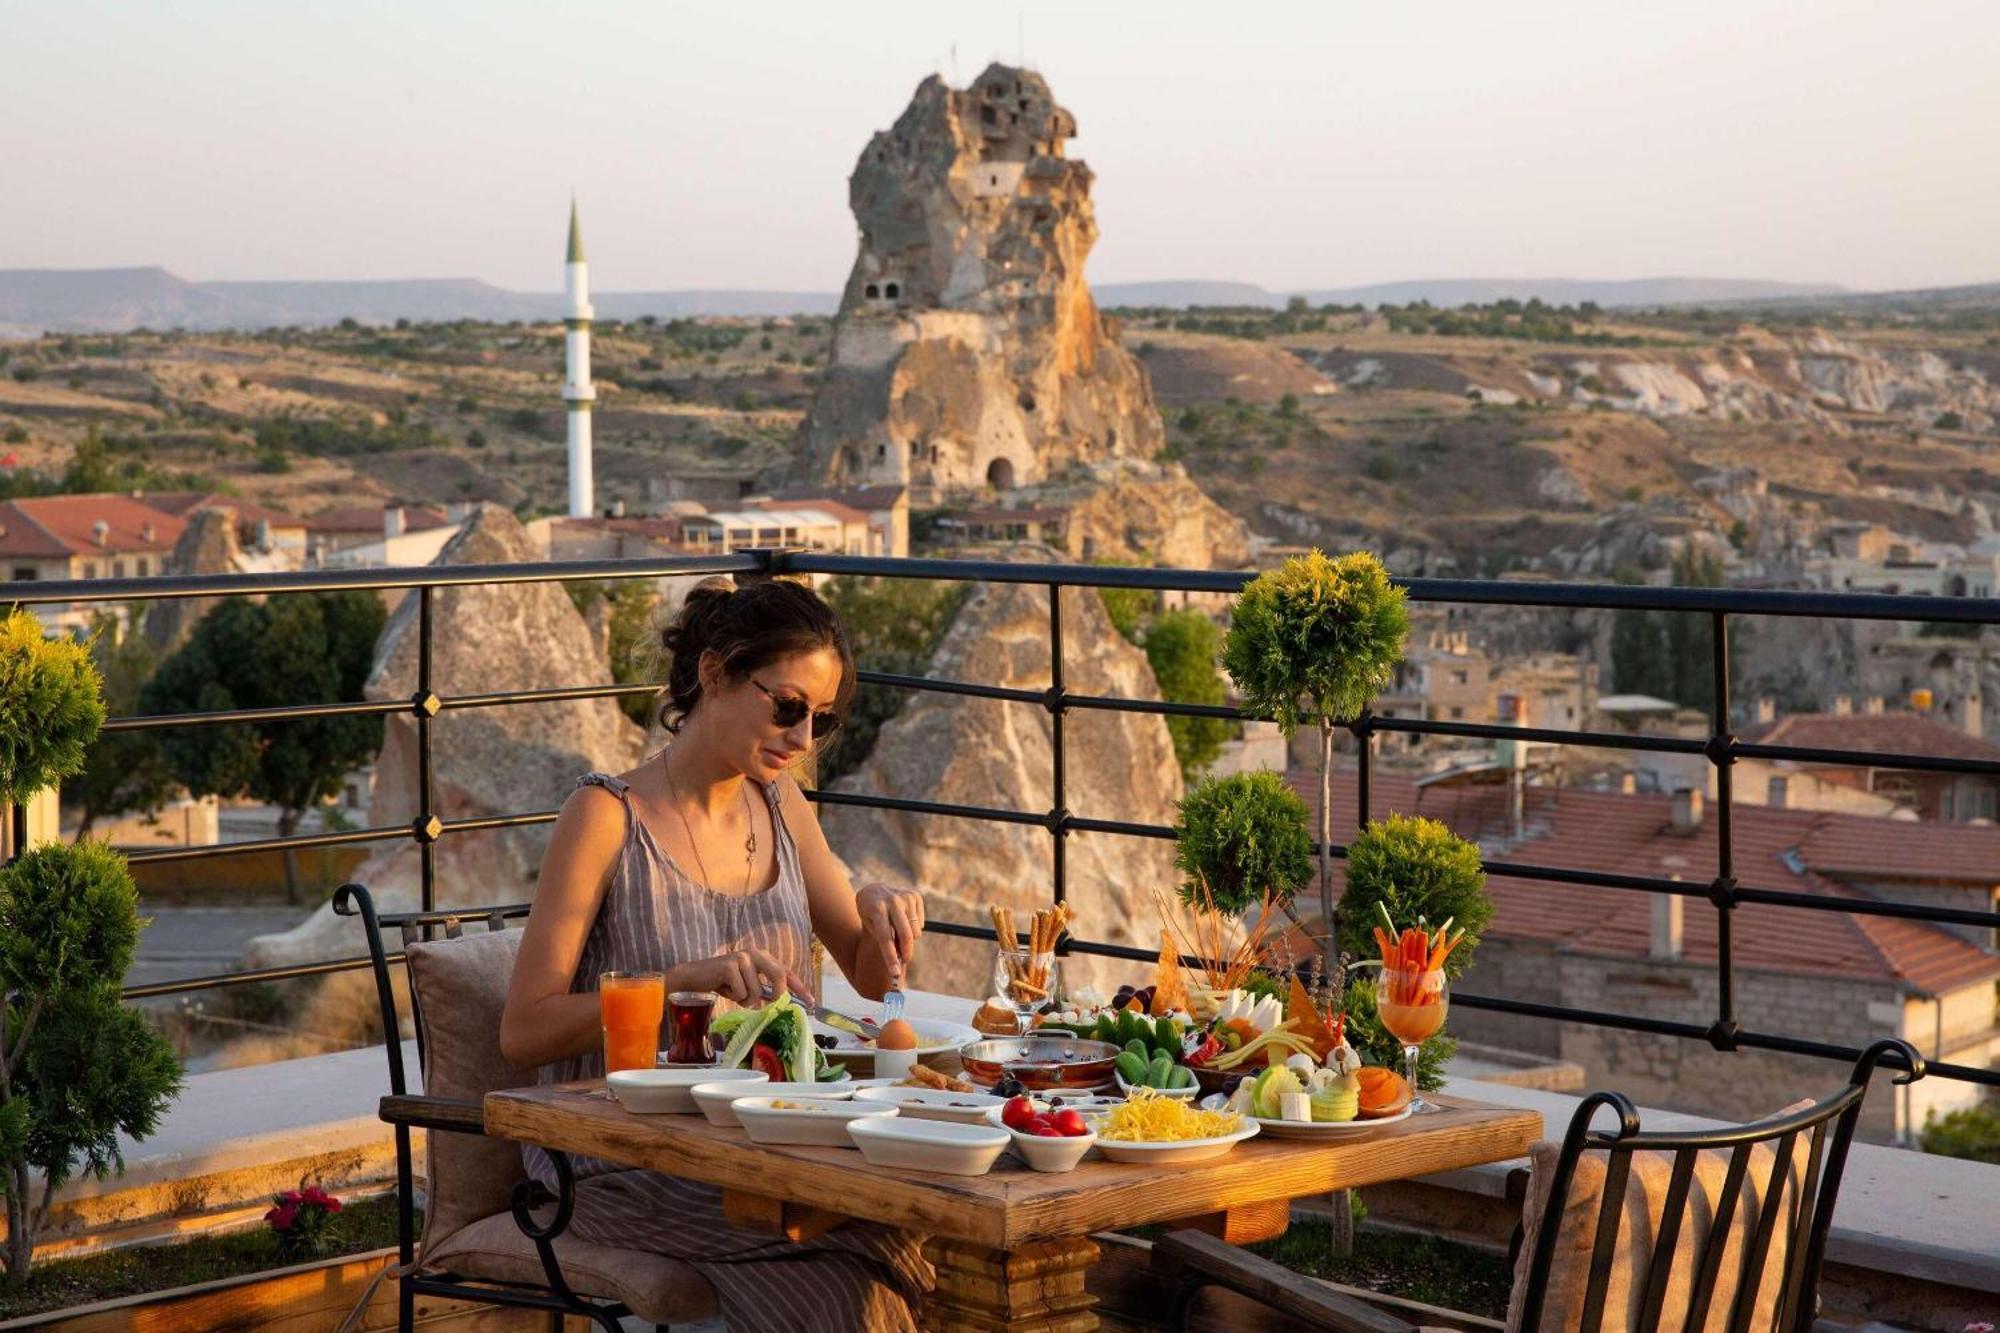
(897, 1035)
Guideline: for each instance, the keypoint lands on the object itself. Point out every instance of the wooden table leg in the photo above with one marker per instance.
(1035, 1289)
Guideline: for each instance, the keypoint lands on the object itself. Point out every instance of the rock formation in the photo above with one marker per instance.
(510, 759)
(207, 545)
(968, 350)
(949, 748)
(1154, 515)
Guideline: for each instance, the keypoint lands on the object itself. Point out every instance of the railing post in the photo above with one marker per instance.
(1058, 797)
(427, 827)
(1722, 754)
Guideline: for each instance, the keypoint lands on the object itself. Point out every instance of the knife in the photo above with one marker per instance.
(835, 1020)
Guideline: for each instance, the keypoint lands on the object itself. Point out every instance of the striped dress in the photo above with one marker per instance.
(860, 1275)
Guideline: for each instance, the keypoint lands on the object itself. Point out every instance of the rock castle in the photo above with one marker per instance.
(968, 351)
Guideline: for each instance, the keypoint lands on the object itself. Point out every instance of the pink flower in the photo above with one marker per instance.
(282, 1217)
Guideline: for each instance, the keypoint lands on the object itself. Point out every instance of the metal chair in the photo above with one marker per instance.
(1793, 1216)
(512, 1259)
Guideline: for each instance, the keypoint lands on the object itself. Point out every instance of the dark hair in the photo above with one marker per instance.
(746, 628)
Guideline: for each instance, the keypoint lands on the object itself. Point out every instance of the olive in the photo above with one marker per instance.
(1009, 1086)
(825, 1041)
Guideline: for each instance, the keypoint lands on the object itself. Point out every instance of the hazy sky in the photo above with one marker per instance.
(1317, 143)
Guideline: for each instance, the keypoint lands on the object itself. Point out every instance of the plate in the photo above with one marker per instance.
(928, 1145)
(934, 1037)
(1180, 1150)
(963, 1108)
(1300, 1129)
(822, 1125)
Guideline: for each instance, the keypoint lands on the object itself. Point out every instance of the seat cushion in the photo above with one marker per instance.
(654, 1287)
(1645, 1199)
(459, 986)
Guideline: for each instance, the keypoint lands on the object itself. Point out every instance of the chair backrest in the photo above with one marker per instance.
(1720, 1229)
(458, 986)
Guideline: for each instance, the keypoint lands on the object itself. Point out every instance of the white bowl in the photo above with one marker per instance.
(669, 1091)
(1189, 1093)
(1174, 1151)
(928, 1145)
(818, 1122)
(713, 1099)
(1045, 1153)
(964, 1108)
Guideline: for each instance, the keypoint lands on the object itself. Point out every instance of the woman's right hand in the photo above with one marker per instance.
(746, 976)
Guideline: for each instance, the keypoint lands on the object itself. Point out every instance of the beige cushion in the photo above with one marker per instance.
(1645, 1197)
(460, 987)
(654, 1287)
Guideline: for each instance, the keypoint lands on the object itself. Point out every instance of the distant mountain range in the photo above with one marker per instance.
(115, 299)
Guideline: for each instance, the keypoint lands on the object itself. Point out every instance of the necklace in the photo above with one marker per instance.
(749, 822)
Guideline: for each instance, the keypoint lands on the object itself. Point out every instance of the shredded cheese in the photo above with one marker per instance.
(1150, 1116)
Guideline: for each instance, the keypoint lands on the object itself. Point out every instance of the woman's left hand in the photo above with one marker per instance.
(892, 916)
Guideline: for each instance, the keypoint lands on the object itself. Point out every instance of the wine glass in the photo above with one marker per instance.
(1412, 1005)
(1025, 980)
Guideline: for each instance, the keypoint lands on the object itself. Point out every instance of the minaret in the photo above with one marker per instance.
(577, 391)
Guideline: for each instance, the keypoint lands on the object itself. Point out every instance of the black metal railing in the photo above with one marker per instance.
(1721, 748)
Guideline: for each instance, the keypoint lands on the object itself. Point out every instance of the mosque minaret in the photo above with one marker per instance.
(577, 391)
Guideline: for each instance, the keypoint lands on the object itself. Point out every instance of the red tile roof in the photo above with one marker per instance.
(823, 502)
(53, 526)
(1614, 833)
(1885, 733)
(248, 512)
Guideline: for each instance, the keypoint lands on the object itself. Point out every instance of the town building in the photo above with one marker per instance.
(971, 527)
(97, 536)
(366, 535)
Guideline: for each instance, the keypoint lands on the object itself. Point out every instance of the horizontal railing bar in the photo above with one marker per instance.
(1501, 731)
(340, 838)
(1165, 708)
(1818, 902)
(1665, 1027)
(476, 823)
(927, 807)
(31, 592)
(1076, 824)
(1869, 759)
(283, 713)
(221, 980)
(559, 694)
(936, 685)
(1596, 879)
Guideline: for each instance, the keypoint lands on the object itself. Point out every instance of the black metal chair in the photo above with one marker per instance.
(1796, 1208)
(487, 1259)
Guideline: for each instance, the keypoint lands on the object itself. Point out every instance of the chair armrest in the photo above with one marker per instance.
(449, 1113)
(1517, 1201)
(1195, 1257)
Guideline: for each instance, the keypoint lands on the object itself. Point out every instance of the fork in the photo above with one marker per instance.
(892, 1003)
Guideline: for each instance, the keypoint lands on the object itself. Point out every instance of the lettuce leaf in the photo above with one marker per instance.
(743, 1033)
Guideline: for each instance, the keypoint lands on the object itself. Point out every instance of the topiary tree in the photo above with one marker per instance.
(1312, 641)
(77, 1068)
(1417, 869)
(1238, 837)
(50, 708)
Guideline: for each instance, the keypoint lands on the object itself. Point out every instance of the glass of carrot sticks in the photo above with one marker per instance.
(1413, 996)
(1026, 974)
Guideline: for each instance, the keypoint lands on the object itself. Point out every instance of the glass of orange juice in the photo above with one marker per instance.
(1412, 1007)
(631, 1005)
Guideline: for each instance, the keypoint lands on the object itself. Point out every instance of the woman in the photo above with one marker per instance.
(706, 863)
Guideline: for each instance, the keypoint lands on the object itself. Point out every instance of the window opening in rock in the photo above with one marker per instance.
(891, 291)
(872, 292)
(1027, 401)
(1000, 474)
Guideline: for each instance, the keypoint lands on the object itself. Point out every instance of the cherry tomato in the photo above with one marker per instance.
(1039, 1123)
(1047, 1132)
(765, 1060)
(1070, 1123)
(1017, 1113)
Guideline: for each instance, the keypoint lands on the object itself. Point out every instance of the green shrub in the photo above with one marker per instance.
(1971, 1132)
(1240, 836)
(50, 709)
(1183, 647)
(1416, 868)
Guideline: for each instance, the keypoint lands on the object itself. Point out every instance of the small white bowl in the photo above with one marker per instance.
(1189, 1093)
(713, 1099)
(816, 1122)
(669, 1091)
(963, 1108)
(1045, 1153)
(928, 1145)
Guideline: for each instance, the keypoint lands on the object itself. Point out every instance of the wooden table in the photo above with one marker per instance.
(1012, 1247)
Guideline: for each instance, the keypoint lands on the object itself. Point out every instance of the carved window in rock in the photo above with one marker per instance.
(872, 292)
(892, 291)
(986, 116)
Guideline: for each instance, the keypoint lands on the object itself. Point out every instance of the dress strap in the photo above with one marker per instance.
(617, 787)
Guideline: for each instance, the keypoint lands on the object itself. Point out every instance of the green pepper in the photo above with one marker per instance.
(1139, 1048)
(1131, 1068)
(1181, 1077)
(1159, 1071)
(1167, 1036)
(1130, 1025)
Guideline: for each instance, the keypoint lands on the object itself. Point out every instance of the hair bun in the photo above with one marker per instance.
(689, 627)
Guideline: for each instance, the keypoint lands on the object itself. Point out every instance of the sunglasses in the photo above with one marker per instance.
(788, 710)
